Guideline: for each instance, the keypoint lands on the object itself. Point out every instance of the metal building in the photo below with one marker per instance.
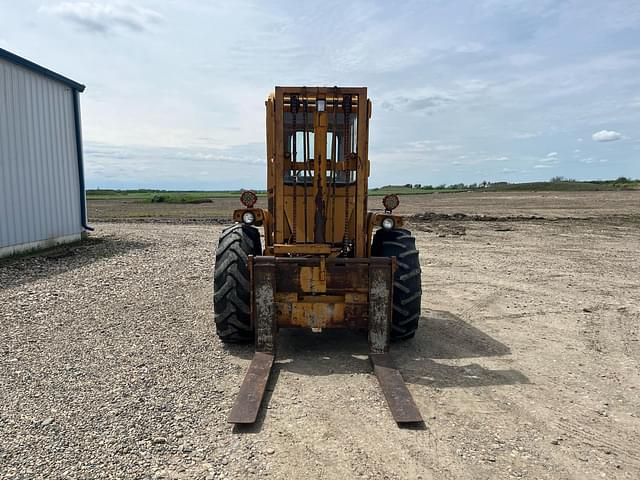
(42, 199)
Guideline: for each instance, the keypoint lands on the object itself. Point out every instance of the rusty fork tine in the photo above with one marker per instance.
(252, 389)
(255, 381)
(401, 403)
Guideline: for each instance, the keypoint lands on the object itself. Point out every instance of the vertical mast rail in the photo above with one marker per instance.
(294, 167)
(346, 154)
(320, 170)
(356, 151)
(362, 182)
(278, 168)
(334, 163)
(305, 109)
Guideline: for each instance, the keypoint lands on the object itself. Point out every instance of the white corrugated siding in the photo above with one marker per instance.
(39, 188)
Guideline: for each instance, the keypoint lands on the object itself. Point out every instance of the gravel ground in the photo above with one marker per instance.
(525, 364)
(110, 368)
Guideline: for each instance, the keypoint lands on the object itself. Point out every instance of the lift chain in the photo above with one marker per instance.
(334, 163)
(305, 110)
(346, 110)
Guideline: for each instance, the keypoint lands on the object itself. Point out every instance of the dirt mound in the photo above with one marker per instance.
(168, 220)
(442, 230)
(463, 217)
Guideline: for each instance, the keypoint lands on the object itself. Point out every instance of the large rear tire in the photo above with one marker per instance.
(232, 283)
(407, 282)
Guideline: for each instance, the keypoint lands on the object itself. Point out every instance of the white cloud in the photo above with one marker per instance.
(552, 157)
(426, 146)
(526, 135)
(105, 17)
(542, 166)
(416, 104)
(502, 158)
(469, 47)
(606, 136)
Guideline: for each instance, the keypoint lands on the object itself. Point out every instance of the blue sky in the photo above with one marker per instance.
(463, 91)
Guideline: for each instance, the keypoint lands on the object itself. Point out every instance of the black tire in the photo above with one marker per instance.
(407, 282)
(232, 283)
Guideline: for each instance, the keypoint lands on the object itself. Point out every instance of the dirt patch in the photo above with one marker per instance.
(440, 229)
(179, 220)
(476, 206)
(463, 217)
(544, 204)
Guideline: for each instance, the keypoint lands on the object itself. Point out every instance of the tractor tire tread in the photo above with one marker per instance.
(407, 292)
(232, 283)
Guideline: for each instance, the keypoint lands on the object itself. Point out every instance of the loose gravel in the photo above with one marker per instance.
(109, 364)
(524, 365)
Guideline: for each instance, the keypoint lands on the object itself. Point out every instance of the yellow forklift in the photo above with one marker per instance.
(325, 262)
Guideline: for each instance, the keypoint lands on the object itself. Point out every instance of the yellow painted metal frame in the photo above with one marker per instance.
(314, 306)
(281, 196)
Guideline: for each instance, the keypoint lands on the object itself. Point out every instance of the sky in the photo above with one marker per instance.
(462, 91)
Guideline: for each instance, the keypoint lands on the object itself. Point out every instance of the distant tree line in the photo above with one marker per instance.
(616, 181)
(486, 184)
(443, 186)
(554, 183)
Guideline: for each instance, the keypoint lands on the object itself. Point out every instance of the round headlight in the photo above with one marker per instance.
(248, 217)
(248, 198)
(390, 202)
(388, 223)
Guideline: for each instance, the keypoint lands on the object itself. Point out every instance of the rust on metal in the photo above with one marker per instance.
(302, 249)
(317, 315)
(322, 314)
(318, 292)
(247, 405)
(399, 399)
(253, 386)
(341, 275)
(264, 309)
(380, 301)
(313, 279)
(401, 403)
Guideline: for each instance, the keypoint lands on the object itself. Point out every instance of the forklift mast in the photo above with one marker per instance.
(317, 170)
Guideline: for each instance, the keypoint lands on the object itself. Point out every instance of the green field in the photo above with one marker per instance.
(557, 185)
(164, 196)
